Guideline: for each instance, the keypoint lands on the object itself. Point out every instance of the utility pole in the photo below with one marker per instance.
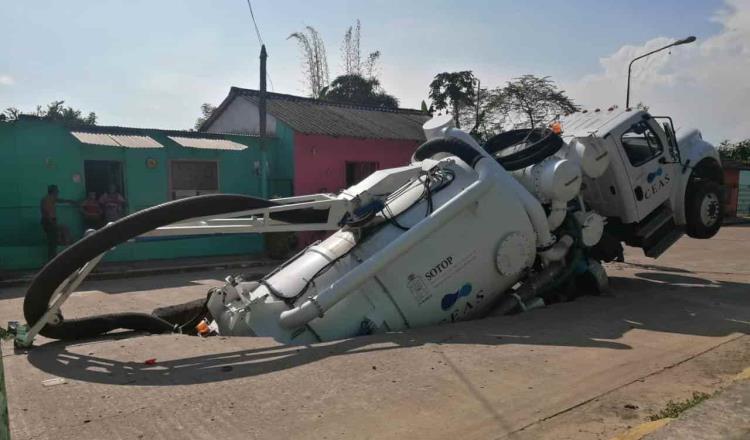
(476, 109)
(262, 123)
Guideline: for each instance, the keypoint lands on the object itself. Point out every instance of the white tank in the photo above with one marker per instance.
(454, 274)
(589, 154)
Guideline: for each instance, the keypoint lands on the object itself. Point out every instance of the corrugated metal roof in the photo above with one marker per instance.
(95, 138)
(128, 137)
(131, 141)
(208, 144)
(314, 116)
(112, 140)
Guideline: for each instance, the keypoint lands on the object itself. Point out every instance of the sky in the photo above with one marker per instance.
(153, 63)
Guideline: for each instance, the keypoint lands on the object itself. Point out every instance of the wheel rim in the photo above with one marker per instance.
(710, 209)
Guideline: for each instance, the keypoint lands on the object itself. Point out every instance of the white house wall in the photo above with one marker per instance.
(241, 117)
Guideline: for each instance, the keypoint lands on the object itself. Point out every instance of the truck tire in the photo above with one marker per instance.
(704, 209)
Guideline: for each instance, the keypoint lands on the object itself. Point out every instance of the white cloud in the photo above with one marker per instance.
(6, 80)
(704, 84)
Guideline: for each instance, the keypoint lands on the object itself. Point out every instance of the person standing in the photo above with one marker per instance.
(56, 233)
(92, 212)
(113, 204)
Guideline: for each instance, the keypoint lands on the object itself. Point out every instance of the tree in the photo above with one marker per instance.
(10, 114)
(355, 89)
(482, 119)
(454, 90)
(54, 111)
(352, 55)
(739, 151)
(314, 60)
(315, 65)
(531, 100)
(206, 111)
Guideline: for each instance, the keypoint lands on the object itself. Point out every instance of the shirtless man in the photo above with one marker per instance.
(48, 207)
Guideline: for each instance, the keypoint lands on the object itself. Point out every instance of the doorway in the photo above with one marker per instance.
(99, 174)
(358, 171)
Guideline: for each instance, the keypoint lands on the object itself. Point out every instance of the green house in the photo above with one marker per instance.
(149, 166)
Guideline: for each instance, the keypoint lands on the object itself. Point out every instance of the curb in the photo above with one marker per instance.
(644, 430)
(4, 421)
(142, 272)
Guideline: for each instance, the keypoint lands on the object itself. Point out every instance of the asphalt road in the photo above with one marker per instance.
(587, 369)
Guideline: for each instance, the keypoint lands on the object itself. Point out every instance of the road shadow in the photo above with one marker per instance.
(654, 301)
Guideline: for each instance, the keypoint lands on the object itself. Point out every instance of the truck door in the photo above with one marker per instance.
(649, 165)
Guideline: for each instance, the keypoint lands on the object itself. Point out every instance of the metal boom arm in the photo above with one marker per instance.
(260, 220)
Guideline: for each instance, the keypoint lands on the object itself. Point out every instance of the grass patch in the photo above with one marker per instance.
(674, 409)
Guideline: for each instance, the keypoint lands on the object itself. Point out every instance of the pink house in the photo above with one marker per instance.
(339, 162)
(320, 146)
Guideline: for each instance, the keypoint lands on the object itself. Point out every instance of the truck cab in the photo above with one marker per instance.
(659, 184)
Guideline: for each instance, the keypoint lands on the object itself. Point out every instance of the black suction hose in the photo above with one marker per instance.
(71, 259)
(453, 146)
(542, 143)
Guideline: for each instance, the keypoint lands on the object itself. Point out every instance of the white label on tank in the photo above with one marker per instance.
(445, 268)
(417, 288)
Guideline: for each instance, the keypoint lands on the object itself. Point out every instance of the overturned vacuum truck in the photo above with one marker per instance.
(460, 232)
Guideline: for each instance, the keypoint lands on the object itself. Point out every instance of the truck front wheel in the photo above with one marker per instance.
(704, 209)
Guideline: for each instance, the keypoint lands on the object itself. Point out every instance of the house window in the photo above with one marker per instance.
(641, 144)
(189, 178)
(357, 171)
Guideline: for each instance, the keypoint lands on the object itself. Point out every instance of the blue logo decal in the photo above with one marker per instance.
(450, 299)
(654, 175)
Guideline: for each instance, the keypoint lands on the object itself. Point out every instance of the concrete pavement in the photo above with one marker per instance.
(591, 368)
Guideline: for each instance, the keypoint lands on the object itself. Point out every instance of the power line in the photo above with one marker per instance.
(252, 15)
(260, 39)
